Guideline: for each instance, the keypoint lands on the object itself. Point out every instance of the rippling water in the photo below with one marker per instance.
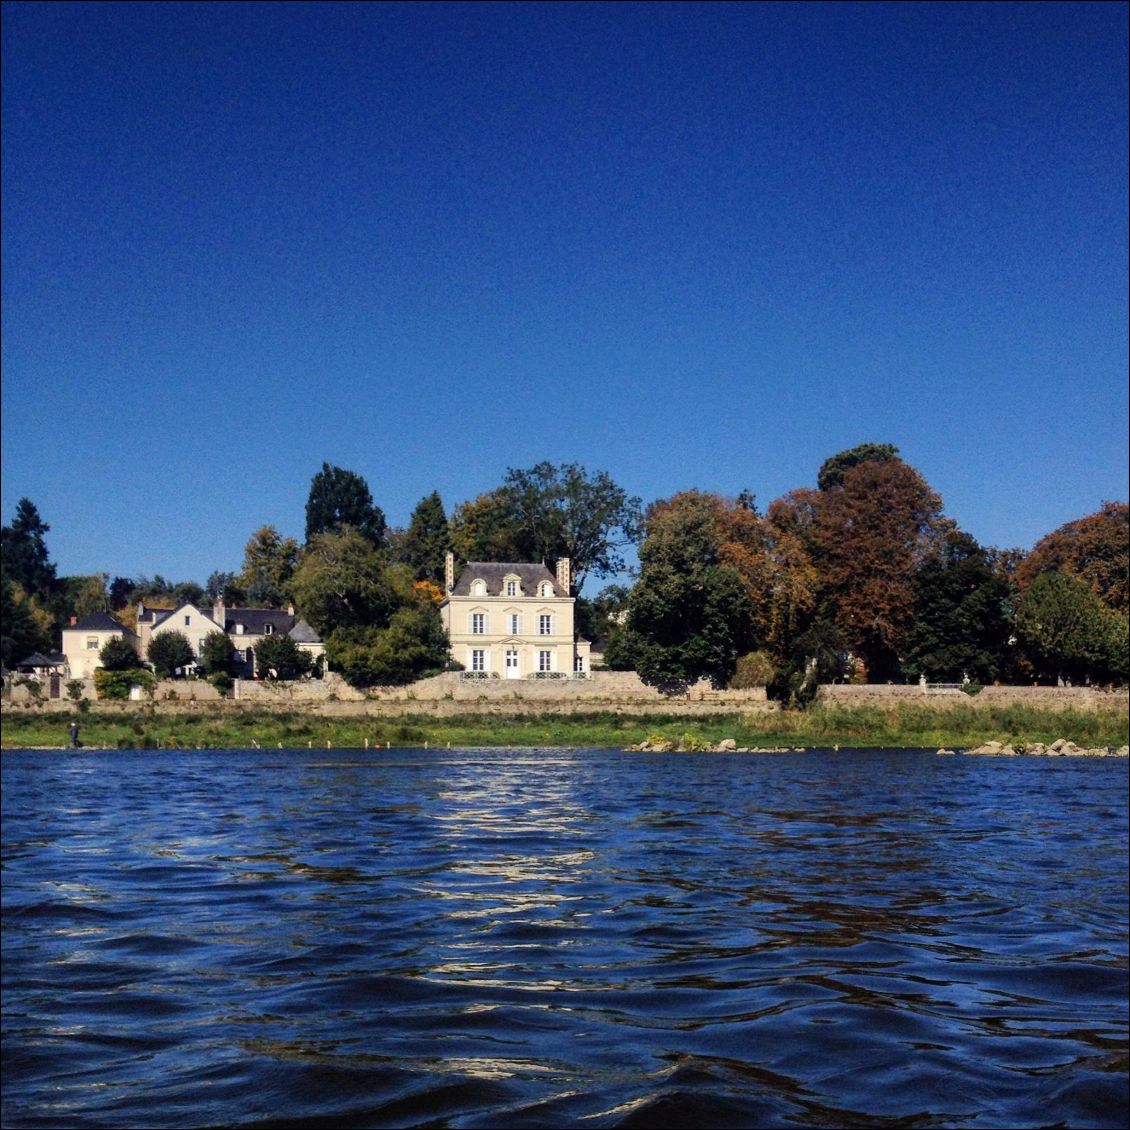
(563, 938)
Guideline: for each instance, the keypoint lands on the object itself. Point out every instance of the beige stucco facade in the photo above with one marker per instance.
(513, 621)
(84, 639)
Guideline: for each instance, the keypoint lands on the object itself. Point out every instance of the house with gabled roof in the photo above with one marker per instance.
(512, 620)
(84, 638)
(245, 627)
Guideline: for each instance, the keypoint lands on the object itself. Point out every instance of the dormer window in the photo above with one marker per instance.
(511, 588)
(268, 629)
(547, 589)
(479, 588)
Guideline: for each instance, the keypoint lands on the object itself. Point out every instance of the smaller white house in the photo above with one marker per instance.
(245, 627)
(84, 639)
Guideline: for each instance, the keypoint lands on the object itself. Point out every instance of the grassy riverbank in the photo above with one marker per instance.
(900, 726)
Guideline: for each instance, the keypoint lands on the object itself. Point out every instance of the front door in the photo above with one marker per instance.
(512, 665)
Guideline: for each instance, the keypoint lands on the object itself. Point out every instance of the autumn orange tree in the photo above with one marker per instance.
(868, 532)
(1096, 549)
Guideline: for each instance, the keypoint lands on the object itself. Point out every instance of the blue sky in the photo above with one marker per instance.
(691, 245)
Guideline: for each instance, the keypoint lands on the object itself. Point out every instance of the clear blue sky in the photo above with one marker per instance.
(692, 245)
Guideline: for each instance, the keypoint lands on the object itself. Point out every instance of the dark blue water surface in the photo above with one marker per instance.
(563, 938)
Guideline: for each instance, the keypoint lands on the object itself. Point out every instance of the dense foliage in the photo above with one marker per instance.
(340, 499)
(168, 653)
(279, 657)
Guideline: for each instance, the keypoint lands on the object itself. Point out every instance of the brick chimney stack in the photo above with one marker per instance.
(564, 574)
(449, 570)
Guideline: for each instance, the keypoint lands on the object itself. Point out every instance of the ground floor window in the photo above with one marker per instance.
(478, 659)
(578, 663)
(545, 660)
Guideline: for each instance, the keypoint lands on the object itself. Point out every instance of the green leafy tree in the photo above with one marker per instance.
(169, 651)
(338, 499)
(118, 654)
(547, 512)
(412, 646)
(1067, 633)
(217, 654)
(689, 617)
(342, 582)
(81, 596)
(269, 563)
(20, 632)
(425, 543)
(279, 657)
(226, 587)
(960, 624)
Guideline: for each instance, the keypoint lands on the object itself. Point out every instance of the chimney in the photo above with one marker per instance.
(564, 578)
(219, 612)
(449, 570)
(290, 609)
(74, 621)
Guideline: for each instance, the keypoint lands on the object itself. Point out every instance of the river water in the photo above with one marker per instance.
(547, 938)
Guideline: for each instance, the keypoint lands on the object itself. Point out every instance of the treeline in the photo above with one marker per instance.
(861, 578)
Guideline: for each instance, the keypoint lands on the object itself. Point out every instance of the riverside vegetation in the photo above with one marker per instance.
(908, 726)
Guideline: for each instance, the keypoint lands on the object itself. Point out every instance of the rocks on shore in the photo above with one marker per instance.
(726, 745)
(1060, 748)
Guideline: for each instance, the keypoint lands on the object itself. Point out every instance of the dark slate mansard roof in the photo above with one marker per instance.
(494, 573)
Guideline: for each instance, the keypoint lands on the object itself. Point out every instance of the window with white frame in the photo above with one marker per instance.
(478, 623)
(479, 588)
(547, 589)
(515, 624)
(545, 624)
(187, 621)
(268, 629)
(92, 643)
(478, 659)
(545, 660)
(511, 588)
(578, 664)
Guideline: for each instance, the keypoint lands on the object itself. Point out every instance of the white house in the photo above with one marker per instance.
(513, 620)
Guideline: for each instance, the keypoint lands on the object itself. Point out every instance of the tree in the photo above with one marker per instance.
(425, 543)
(86, 595)
(486, 529)
(831, 473)
(342, 583)
(21, 633)
(413, 646)
(169, 651)
(340, 498)
(548, 512)
(217, 653)
(568, 512)
(868, 535)
(121, 591)
(960, 624)
(269, 563)
(226, 587)
(279, 657)
(118, 654)
(1095, 548)
(689, 616)
(1067, 633)
(23, 552)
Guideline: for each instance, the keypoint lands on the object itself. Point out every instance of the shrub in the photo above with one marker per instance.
(116, 684)
(755, 669)
(117, 654)
(74, 690)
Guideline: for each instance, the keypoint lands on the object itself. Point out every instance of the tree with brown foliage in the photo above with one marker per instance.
(1095, 549)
